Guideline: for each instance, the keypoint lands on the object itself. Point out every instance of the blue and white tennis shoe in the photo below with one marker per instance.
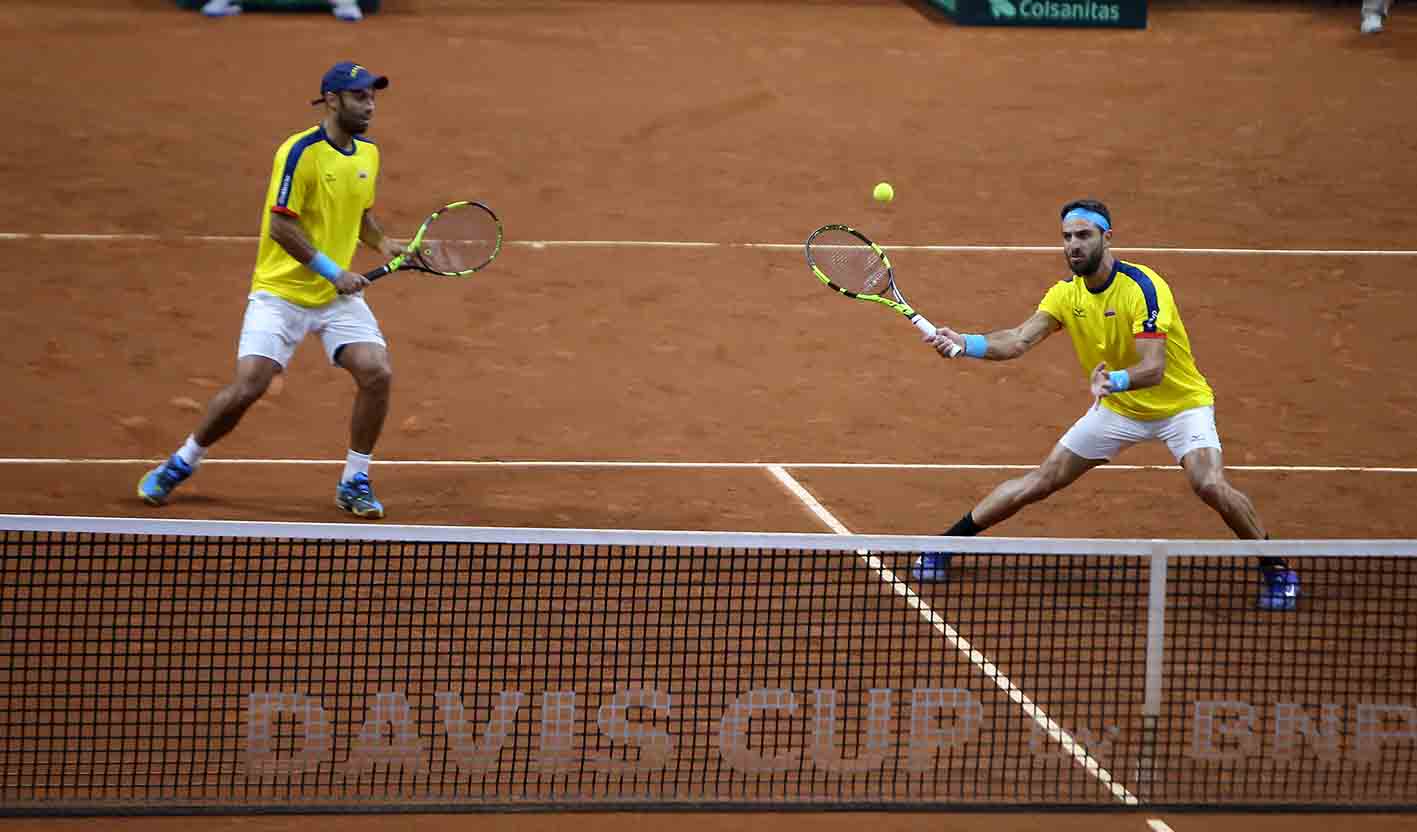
(157, 484)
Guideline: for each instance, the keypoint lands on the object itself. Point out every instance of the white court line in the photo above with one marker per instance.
(591, 463)
(1055, 731)
(800, 492)
(1055, 249)
(1158, 825)
(96, 238)
(18, 236)
(617, 244)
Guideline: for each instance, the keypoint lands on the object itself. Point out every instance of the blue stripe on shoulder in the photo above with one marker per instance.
(365, 139)
(292, 158)
(1148, 291)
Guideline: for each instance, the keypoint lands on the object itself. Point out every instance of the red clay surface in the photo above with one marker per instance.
(728, 123)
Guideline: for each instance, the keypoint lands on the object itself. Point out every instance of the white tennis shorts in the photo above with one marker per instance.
(1102, 433)
(274, 327)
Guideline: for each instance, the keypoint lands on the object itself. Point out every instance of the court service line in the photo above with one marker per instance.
(1056, 248)
(20, 236)
(1054, 731)
(613, 463)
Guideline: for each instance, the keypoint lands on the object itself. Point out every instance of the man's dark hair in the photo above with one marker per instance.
(1087, 205)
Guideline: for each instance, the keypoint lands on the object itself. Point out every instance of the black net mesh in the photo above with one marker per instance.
(143, 672)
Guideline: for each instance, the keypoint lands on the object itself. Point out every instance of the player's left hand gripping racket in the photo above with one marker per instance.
(846, 260)
(456, 240)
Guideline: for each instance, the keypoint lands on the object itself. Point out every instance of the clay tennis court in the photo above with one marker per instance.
(1273, 187)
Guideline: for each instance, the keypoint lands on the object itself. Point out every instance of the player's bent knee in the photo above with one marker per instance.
(253, 378)
(247, 390)
(1039, 485)
(376, 376)
(1211, 489)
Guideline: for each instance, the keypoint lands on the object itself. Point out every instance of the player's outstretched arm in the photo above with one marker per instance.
(1001, 345)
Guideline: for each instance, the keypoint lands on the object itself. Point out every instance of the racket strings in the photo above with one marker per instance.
(850, 263)
(460, 240)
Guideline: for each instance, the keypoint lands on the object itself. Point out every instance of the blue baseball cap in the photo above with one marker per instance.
(348, 75)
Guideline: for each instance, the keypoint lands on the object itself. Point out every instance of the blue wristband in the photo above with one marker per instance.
(975, 346)
(1121, 380)
(322, 265)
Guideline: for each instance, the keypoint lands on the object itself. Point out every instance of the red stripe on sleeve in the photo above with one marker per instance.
(1151, 335)
(281, 209)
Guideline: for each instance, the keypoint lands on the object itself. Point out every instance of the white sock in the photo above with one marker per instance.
(355, 463)
(191, 453)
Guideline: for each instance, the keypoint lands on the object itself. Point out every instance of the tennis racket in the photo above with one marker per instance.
(845, 260)
(456, 240)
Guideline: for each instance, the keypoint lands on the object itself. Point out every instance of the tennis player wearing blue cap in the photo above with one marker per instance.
(317, 211)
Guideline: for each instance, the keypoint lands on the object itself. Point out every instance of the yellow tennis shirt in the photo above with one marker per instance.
(1104, 325)
(327, 189)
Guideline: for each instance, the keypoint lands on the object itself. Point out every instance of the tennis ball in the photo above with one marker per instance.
(883, 192)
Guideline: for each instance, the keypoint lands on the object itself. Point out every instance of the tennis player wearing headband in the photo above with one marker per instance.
(1129, 337)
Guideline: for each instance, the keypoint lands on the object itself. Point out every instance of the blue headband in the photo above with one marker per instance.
(1091, 216)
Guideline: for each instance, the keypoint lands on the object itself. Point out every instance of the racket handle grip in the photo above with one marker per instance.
(377, 273)
(929, 329)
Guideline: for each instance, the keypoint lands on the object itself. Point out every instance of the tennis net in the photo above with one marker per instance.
(177, 666)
